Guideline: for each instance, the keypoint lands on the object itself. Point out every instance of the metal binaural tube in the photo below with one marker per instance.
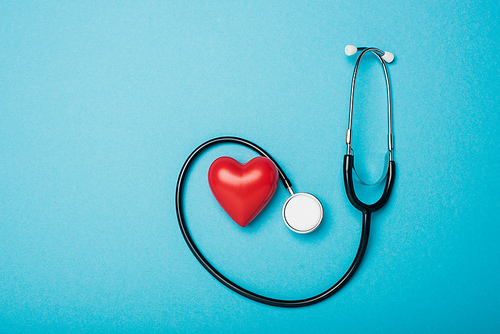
(378, 53)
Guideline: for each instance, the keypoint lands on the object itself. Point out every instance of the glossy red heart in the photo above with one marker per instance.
(243, 190)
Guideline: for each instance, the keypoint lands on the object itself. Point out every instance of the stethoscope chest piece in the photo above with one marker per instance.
(302, 213)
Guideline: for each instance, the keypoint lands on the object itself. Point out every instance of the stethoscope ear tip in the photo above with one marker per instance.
(350, 50)
(302, 213)
(388, 56)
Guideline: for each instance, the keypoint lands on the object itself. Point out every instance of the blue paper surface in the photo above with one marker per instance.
(101, 103)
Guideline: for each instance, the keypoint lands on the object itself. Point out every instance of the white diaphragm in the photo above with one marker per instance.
(302, 212)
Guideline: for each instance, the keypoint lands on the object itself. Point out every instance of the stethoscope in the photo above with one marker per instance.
(303, 212)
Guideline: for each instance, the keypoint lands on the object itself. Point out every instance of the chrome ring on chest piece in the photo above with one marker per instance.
(302, 212)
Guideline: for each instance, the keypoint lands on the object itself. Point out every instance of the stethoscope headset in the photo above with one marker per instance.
(303, 212)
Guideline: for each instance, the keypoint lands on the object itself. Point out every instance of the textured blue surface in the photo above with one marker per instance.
(101, 103)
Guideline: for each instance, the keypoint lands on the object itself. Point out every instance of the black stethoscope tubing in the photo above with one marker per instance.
(224, 280)
(366, 209)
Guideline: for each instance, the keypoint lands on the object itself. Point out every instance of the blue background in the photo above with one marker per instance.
(100, 104)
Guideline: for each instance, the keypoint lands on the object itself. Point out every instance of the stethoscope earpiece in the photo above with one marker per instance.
(386, 55)
(350, 50)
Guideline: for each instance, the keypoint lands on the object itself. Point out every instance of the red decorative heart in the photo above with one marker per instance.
(243, 190)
